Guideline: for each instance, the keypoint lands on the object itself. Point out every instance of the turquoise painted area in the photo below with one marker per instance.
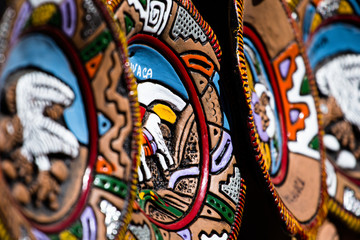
(41, 52)
(104, 124)
(332, 40)
(147, 63)
(216, 79)
(355, 5)
(309, 15)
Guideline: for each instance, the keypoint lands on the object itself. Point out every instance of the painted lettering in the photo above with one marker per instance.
(141, 72)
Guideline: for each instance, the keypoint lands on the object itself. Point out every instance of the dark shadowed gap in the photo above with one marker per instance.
(260, 218)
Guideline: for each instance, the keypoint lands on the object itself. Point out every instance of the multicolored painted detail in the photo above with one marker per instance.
(69, 167)
(316, 143)
(335, 68)
(298, 104)
(268, 81)
(329, 13)
(187, 163)
(323, 208)
(265, 102)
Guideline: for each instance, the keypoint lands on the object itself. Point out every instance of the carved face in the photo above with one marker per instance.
(187, 162)
(263, 108)
(40, 106)
(170, 136)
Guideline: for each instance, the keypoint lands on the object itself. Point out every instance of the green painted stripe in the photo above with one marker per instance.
(77, 230)
(158, 235)
(129, 23)
(305, 87)
(111, 184)
(220, 207)
(149, 195)
(54, 237)
(96, 46)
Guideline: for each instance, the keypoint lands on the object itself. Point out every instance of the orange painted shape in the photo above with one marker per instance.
(200, 63)
(103, 166)
(146, 146)
(316, 2)
(136, 206)
(93, 64)
(287, 84)
(143, 140)
(147, 151)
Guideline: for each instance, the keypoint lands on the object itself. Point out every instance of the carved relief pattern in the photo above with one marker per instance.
(283, 116)
(335, 64)
(187, 167)
(69, 123)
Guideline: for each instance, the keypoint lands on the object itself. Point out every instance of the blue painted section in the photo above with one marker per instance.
(275, 153)
(355, 5)
(252, 67)
(40, 51)
(226, 122)
(310, 12)
(104, 124)
(332, 40)
(147, 63)
(309, 15)
(216, 79)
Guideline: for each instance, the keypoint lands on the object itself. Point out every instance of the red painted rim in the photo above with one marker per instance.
(280, 176)
(194, 100)
(88, 98)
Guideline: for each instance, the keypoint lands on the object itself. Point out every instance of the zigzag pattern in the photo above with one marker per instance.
(113, 5)
(188, 5)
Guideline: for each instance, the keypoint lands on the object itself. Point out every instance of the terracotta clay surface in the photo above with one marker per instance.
(190, 185)
(283, 117)
(335, 65)
(68, 121)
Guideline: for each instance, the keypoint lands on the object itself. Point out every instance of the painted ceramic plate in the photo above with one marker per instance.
(283, 118)
(335, 65)
(190, 185)
(69, 123)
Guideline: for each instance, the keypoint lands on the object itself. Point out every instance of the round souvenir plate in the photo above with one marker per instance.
(190, 185)
(335, 63)
(69, 123)
(283, 117)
